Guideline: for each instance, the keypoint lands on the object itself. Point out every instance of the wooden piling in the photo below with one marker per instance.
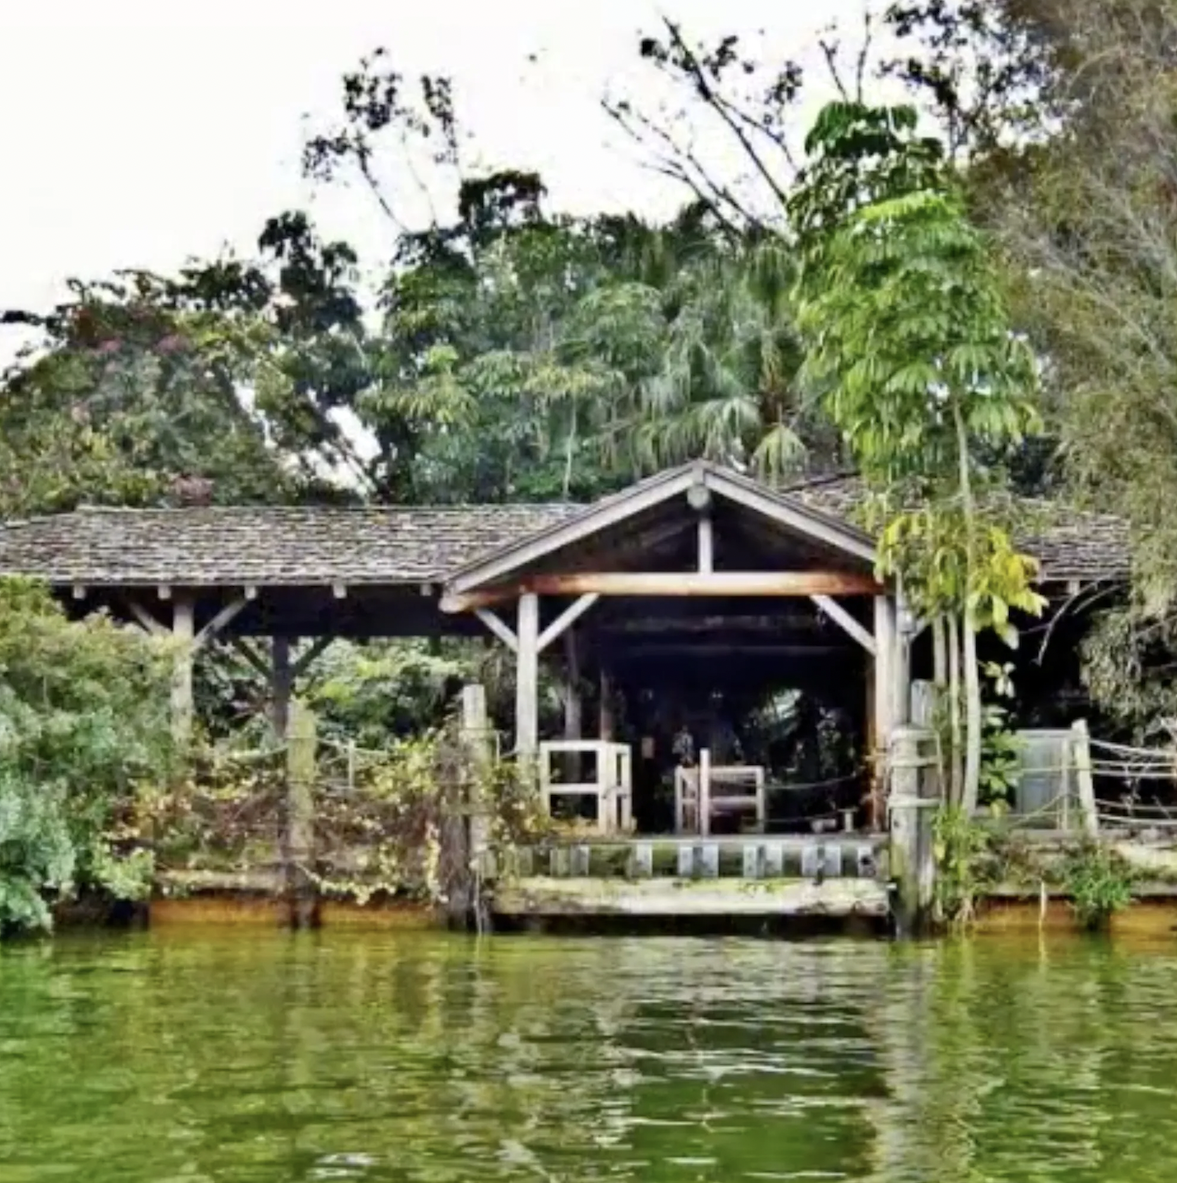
(301, 890)
(912, 804)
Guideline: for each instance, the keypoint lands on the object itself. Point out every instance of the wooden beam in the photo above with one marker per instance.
(250, 654)
(716, 650)
(146, 621)
(671, 583)
(498, 627)
(164, 591)
(566, 619)
(706, 544)
(793, 515)
(841, 617)
(318, 647)
(250, 592)
(610, 512)
(80, 591)
(224, 617)
(527, 679)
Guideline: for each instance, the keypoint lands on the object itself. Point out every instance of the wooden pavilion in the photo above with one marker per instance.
(697, 574)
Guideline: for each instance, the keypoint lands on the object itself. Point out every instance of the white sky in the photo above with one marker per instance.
(143, 132)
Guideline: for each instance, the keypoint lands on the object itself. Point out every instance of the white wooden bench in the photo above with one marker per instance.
(612, 787)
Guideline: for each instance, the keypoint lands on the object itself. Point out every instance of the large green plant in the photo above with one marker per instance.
(83, 732)
(908, 338)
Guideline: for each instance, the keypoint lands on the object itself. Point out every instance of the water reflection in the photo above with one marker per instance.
(418, 1057)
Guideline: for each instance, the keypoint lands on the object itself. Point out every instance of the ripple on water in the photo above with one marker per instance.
(210, 1057)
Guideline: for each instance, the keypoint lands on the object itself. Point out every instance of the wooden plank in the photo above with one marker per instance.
(566, 619)
(709, 860)
(642, 860)
(774, 860)
(580, 859)
(704, 897)
(841, 617)
(670, 584)
(527, 678)
(496, 625)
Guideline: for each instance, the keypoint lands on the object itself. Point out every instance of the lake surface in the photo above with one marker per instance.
(240, 1056)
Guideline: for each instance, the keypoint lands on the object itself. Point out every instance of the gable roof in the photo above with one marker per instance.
(321, 545)
(811, 522)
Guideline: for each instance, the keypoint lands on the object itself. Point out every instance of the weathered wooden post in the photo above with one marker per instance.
(478, 760)
(1085, 782)
(301, 743)
(527, 684)
(184, 633)
(912, 804)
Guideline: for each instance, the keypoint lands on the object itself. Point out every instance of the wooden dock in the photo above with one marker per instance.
(744, 875)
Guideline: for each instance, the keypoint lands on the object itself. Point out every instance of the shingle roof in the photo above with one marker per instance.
(1068, 543)
(322, 545)
(265, 545)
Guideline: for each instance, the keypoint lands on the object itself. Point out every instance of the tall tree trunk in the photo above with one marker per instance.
(972, 678)
(954, 734)
(939, 654)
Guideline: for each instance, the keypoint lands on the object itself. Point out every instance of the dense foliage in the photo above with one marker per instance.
(83, 734)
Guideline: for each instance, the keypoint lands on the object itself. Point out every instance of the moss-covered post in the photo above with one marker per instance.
(301, 741)
(478, 760)
(912, 804)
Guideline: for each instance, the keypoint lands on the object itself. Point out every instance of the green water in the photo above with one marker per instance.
(240, 1056)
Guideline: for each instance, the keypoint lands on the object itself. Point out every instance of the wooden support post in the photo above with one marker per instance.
(1084, 781)
(184, 633)
(527, 679)
(573, 716)
(476, 742)
(301, 742)
(912, 804)
(281, 685)
(606, 723)
(884, 689)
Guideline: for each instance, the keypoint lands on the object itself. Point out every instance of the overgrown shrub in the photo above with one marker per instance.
(83, 729)
(1098, 881)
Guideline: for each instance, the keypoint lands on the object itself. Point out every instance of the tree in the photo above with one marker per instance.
(230, 374)
(1091, 240)
(83, 731)
(909, 339)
